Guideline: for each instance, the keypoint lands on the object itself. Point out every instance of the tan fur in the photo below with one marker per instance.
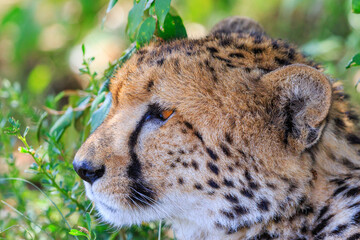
(257, 138)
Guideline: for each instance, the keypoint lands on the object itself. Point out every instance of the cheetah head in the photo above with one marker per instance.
(209, 134)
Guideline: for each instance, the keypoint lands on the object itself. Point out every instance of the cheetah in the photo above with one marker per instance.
(233, 136)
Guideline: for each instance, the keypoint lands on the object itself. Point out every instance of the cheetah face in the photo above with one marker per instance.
(201, 135)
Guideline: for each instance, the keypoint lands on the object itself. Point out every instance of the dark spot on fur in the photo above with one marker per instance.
(258, 50)
(240, 210)
(213, 184)
(222, 59)
(356, 218)
(180, 180)
(172, 165)
(282, 61)
(353, 139)
(228, 183)
(352, 116)
(257, 37)
(355, 236)
(353, 192)
(339, 229)
(170, 153)
(337, 181)
(185, 164)
(231, 198)
(304, 229)
(247, 193)
(228, 138)
(230, 168)
(160, 62)
(263, 205)
(212, 50)
(236, 55)
(291, 54)
(198, 186)
(292, 187)
(322, 212)
(188, 125)
(230, 65)
(247, 175)
(253, 185)
(270, 185)
(275, 44)
(178, 160)
(318, 228)
(212, 154)
(229, 215)
(140, 59)
(339, 190)
(194, 164)
(225, 150)
(225, 41)
(198, 135)
(213, 168)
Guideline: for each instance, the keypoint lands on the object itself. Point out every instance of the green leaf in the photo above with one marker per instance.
(111, 5)
(99, 115)
(355, 61)
(39, 124)
(83, 49)
(39, 79)
(135, 17)
(162, 7)
(26, 131)
(88, 221)
(99, 99)
(82, 103)
(105, 86)
(356, 6)
(146, 31)
(23, 150)
(61, 124)
(173, 27)
(75, 232)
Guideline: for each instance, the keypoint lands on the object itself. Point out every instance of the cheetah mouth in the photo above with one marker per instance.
(119, 212)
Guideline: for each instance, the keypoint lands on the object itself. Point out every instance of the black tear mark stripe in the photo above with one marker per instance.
(140, 191)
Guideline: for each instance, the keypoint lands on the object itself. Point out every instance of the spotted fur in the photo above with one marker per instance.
(261, 144)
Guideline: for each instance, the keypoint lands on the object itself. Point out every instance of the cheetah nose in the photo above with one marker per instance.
(87, 172)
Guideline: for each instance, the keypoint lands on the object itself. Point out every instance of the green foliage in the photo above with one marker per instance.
(355, 61)
(150, 18)
(356, 6)
(65, 212)
(162, 8)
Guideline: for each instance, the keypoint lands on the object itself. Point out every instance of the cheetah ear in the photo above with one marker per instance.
(302, 98)
(237, 25)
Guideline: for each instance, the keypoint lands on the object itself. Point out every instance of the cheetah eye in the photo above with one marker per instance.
(156, 113)
(164, 115)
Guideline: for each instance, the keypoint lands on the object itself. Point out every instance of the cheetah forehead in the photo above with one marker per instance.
(215, 62)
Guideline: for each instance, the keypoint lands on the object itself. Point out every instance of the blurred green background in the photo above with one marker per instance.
(40, 39)
(40, 56)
